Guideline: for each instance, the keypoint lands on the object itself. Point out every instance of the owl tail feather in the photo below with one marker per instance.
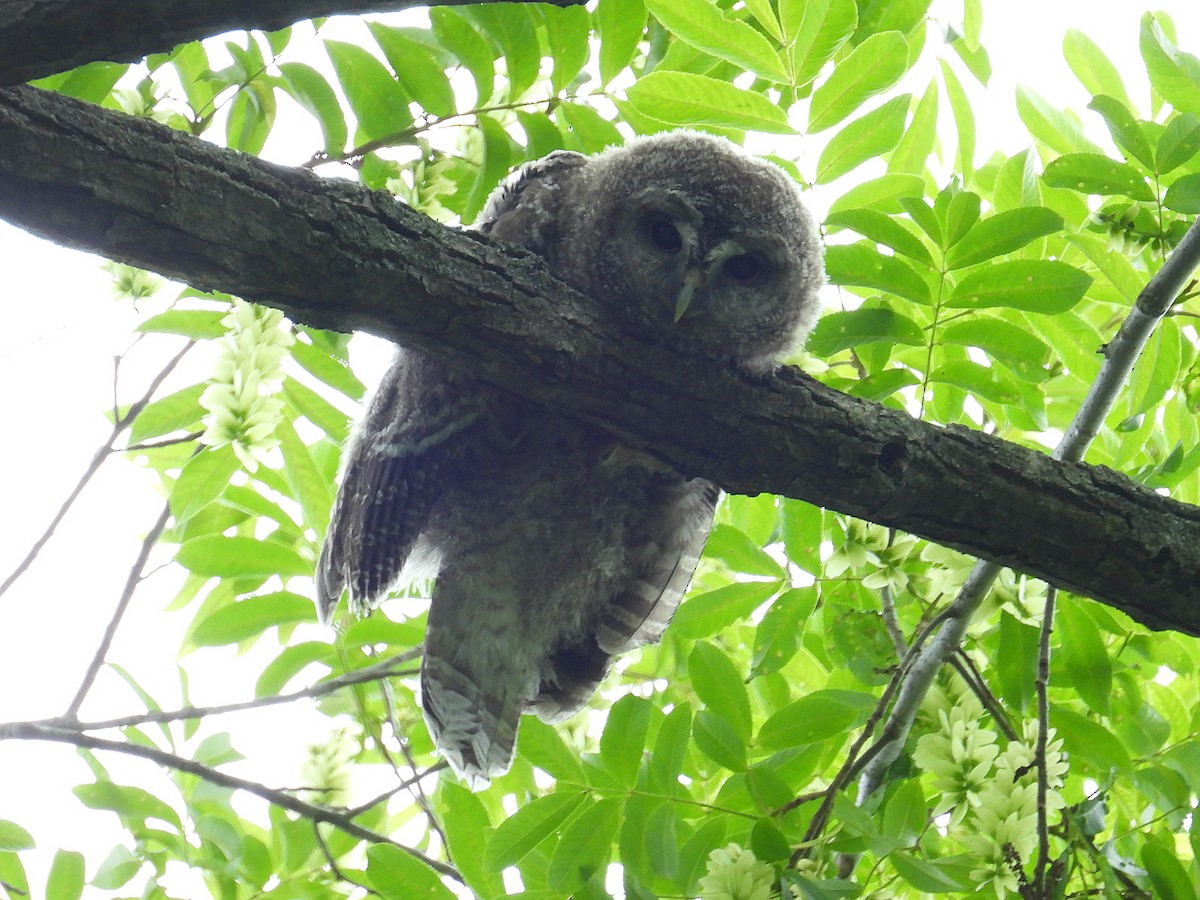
(475, 730)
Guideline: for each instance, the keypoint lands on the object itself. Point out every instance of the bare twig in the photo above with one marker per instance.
(387, 668)
(66, 732)
(131, 583)
(1043, 739)
(120, 424)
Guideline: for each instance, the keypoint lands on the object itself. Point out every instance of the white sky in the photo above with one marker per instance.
(62, 330)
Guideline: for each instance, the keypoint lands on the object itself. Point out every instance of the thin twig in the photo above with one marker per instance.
(384, 669)
(1043, 740)
(66, 733)
(120, 424)
(131, 583)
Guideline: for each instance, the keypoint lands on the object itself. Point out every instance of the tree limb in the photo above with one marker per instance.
(332, 254)
(43, 37)
(65, 733)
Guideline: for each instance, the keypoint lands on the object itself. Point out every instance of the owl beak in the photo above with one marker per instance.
(692, 279)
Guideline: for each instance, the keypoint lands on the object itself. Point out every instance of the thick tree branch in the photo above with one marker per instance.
(43, 37)
(335, 255)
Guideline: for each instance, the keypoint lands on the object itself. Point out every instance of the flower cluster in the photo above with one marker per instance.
(990, 793)
(735, 874)
(423, 183)
(243, 410)
(326, 771)
(867, 548)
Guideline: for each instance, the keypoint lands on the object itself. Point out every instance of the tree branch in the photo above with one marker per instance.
(332, 254)
(43, 37)
(66, 733)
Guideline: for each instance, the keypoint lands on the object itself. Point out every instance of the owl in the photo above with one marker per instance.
(552, 547)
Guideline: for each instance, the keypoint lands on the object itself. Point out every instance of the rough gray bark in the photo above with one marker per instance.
(43, 37)
(335, 255)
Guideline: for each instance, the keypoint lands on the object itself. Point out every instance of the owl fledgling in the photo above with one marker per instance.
(555, 548)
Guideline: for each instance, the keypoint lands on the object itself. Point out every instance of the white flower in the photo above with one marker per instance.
(242, 409)
(734, 874)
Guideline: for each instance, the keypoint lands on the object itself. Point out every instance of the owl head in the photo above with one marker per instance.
(686, 236)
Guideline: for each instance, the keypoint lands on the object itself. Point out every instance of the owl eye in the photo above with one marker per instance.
(664, 236)
(745, 267)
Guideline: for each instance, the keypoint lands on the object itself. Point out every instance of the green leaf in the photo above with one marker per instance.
(624, 738)
(1016, 665)
(218, 556)
(497, 159)
(930, 876)
(168, 414)
(619, 26)
(423, 78)
(703, 615)
(1175, 75)
(768, 842)
(982, 381)
(1179, 144)
(132, 804)
(962, 212)
(1126, 133)
(379, 103)
(671, 746)
(882, 229)
(1157, 369)
(529, 826)
(1036, 285)
(873, 66)
(117, 870)
(698, 100)
(465, 821)
(1184, 195)
(842, 330)
(1093, 173)
(199, 324)
(585, 845)
(822, 715)
(734, 548)
(1058, 130)
(864, 266)
(662, 840)
(65, 880)
(919, 141)
(396, 875)
(512, 27)
(705, 27)
(717, 739)
(964, 121)
(880, 193)
(1094, 70)
(309, 88)
(542, 746)
(203, 479)
(777, 638)
(14, 838)
(1003, 233)
(1017, 348)
(329, 368)
(820, 28)
(1167, 874)
(456, 34)
(866, 137)
(719, 686)
(290, 662)
(306, 402)
(568, 30)
(1090, 745)
(305, 482)
(251, 617)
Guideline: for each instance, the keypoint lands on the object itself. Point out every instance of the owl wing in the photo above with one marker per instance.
(638, 611)
(525, 209)
(410, 434)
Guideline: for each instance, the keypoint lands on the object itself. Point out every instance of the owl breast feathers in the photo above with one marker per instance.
(555, 548)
